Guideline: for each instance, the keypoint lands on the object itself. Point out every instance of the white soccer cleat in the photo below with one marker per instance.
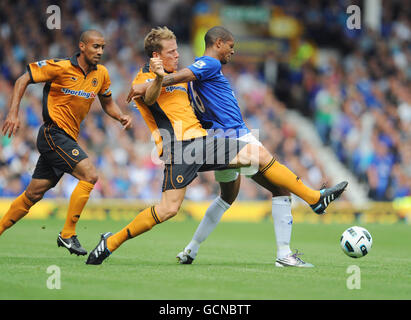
(292, 260)
(184, 257)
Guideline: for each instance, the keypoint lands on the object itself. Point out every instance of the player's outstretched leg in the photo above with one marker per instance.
(230, 182)
(18, 209)
(318, 200)
(22, 204)
(143, 222)
(284, 177)
(280, 175)
(167, 208)
(209, 222)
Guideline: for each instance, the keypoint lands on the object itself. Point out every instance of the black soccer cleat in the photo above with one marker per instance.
(71, 244)
(327, 196)
(101, 252)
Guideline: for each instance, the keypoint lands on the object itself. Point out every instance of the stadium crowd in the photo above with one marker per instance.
(360, 101)
(360, 104)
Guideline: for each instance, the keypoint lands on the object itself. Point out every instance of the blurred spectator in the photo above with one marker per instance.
(361, 105)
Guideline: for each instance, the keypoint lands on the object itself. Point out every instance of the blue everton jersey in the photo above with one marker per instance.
(213, 99)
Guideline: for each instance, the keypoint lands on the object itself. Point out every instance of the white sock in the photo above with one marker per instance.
(283, 220)
(210, 220)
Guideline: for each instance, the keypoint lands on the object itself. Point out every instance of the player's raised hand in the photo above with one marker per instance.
(11, 125)
(156, 65)
(125, 120)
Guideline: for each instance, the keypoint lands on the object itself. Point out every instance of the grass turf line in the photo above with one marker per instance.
(236, 262)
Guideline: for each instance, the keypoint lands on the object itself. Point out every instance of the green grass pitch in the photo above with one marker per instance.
(236, 262)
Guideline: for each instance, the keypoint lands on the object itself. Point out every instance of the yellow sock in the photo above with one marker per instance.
(18, 209)
(281, 176)
(78, 200)
(143, 222)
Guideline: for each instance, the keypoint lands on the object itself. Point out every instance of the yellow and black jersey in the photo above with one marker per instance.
(171, 113)
(68, 92)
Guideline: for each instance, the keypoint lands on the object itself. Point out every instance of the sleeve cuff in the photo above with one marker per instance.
(194, 71)
(29, 71)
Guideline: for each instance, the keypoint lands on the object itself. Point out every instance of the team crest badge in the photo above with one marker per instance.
(42, 63)
(75, 152)
(180, 178)
(94, 82)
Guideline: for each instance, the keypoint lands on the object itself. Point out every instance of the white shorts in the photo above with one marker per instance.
(229, 175)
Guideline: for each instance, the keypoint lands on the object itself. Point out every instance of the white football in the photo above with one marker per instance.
(356, 242)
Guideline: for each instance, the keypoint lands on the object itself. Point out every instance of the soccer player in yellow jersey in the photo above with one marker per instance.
(70, 87)
(187, 149)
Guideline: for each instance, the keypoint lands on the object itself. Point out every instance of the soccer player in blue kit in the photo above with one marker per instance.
(217, 109)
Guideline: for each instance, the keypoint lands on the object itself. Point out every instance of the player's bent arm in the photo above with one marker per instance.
(12, 122)
(153, 91)
(184, 75)
(113, 110)
(139, 90)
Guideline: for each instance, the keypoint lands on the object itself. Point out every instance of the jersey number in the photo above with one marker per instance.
(199, 64)
(197, 103)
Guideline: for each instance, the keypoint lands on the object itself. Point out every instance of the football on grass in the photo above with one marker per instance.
(356, 242)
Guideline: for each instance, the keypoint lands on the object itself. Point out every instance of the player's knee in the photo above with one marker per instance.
(244, 157)
(172, 211)
(229, 196)
(167, 212)
(34, 195)
(264, 157)
(92, 178)
(255, 155)
(86, 171)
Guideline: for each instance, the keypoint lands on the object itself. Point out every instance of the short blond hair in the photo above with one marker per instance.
(152, 41)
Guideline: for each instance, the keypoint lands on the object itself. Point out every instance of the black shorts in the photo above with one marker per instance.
(59, 153)
(184, 159)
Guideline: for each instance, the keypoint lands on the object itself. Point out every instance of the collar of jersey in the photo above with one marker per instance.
(74, 62)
